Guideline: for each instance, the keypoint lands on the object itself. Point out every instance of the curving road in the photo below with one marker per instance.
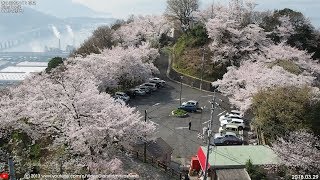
(175, 130)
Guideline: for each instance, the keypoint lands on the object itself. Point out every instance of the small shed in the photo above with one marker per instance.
(227, 157)
(157, 149)
(228, 162)
(232, 174)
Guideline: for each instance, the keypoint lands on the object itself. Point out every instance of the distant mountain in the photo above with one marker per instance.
(26, 21)
(67, 8)
(18, 30)
(31, 20)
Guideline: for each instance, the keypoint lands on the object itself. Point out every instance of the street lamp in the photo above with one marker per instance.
(145, 141)
(181, 77)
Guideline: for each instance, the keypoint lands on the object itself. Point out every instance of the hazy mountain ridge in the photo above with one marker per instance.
(67, 8)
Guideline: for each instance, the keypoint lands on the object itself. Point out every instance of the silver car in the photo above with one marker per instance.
(152, 86)
(139, 92)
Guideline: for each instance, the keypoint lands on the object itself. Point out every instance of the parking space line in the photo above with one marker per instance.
(154, 123)
(179, 99)
(207, 96)
(221, 113)
(206, 122)
(182, 127)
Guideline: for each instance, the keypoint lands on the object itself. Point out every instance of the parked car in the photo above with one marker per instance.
(229, 138)
(193, 103)
(158, 84)
(229, 117)
(190, 106)
(236, 113)
(131, 93)
(155, 79)
(139, 92)
(237, 122)
(122, 95)
(145, 89)
(230, 128)
(152, 86)
(120, 101)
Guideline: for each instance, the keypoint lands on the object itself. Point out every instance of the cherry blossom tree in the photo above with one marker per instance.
(232, 45)
(142, 29)
(133, 64)
(239, 84)
(299, 151)
(67, 106)
(285, 29)
(233, 39)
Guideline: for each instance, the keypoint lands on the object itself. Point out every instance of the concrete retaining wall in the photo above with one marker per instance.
(189, 80)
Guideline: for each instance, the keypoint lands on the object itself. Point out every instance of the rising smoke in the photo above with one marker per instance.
(55, 31)
(70, 31)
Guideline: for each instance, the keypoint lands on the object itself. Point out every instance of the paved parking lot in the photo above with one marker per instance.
(175, 130)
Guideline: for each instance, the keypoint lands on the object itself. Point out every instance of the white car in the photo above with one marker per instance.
(237, 122)
(236, 113)
(219, 135)
(121, 95)
(152, 86)
(229, 117)
(229, 128)
(158, 80)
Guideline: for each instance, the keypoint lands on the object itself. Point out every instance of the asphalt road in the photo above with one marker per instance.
(174, 130)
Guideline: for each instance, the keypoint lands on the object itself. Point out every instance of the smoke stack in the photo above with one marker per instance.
(59, 45)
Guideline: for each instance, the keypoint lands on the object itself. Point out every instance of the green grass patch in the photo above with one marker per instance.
(287, 65)
(188, 52)
(179, 112)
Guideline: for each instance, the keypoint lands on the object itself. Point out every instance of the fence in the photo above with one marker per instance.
(156, 163)
(189, 80)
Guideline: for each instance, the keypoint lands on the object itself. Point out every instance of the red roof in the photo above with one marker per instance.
(202, 159)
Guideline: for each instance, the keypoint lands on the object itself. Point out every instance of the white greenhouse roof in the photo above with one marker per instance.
(22, 69)
(13, 76)
(34, 64)
(3, 63)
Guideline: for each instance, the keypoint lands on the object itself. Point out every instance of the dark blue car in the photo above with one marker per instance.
(188, 107)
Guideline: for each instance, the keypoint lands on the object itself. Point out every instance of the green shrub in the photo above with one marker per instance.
(196, 37)
(53, 63)
(255, 172)
(285, 109)
(288, 66)
(179, 112)
(35, 152)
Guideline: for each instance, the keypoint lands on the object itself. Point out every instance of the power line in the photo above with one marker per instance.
(191, 140)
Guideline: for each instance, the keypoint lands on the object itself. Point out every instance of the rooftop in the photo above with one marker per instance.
(237, 156)
(232, 174)
(22, 69)
(33, 64)
(12, 76)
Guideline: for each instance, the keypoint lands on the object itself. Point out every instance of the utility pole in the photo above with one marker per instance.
(145, 140)
(11, 169)
(212, 8)
(209, 136)
(202, 66)
(181, 77)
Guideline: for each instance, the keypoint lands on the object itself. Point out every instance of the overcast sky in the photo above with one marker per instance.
(124, 8)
